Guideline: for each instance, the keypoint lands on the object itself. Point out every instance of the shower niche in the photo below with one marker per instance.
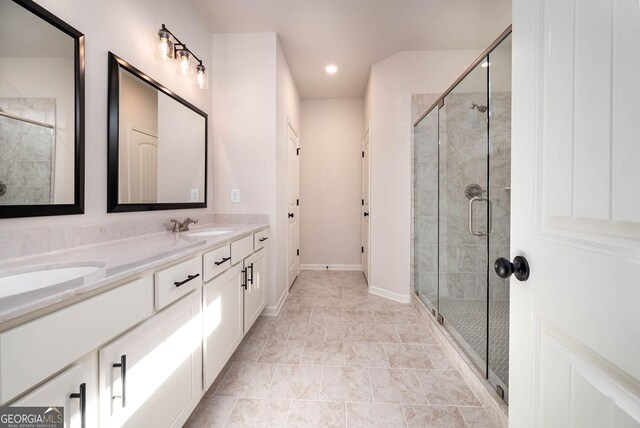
(462, 159)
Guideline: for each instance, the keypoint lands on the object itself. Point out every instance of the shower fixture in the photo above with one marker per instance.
(480, 108)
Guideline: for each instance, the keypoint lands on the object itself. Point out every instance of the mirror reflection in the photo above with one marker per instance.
(37, 110)
(161, 144)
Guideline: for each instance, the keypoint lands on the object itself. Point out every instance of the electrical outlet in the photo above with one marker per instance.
(235, 196)
(195, 195)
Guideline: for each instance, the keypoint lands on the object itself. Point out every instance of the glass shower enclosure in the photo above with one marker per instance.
(462, 153)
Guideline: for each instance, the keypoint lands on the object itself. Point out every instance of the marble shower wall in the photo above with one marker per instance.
(27, 151)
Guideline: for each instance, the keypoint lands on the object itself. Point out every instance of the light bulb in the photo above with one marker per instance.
(201, 77)
(185, 66)
(165, 47)
(331, 68)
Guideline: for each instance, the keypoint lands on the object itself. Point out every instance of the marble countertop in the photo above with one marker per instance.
(117, 260)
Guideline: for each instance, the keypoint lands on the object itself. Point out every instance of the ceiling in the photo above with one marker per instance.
(355, 34)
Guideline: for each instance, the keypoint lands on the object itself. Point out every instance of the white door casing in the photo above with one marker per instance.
(365, 215)
(292, 206)
(575, 324)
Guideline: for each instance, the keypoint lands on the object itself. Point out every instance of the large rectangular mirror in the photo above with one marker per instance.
(157, 145)
(41, 113)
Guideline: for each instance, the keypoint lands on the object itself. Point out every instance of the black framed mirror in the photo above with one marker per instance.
(157, 156)
(41, 113)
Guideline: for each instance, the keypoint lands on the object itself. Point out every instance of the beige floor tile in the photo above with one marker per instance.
(344, 332)
(314, 302)
(389, 317)
(249, 350)
(414, 319)
(366, 415)
(327, 315)
(270, 329)
(476, 417)
(294, 315)
(380, 333)
(296, 382)
(218, 380)
(323, 353)
(370, 302)
(364, 355)
(247, 380)
(446, 387)
(305, 414)
(356, 316)
(402, 355)
(309, 331)
(433, 417)
(212, 412)
(259, 413)
(282, 352)
(415, 334)
(345, 384)
(438, 357)
(395, 386)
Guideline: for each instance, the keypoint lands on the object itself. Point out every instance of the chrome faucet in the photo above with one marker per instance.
(183, 226)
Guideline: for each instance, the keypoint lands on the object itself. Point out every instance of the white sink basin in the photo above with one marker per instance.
(210, 232)
(34, 280)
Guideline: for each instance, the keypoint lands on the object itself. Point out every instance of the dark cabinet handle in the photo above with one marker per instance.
(123, 375)
(82, 396)
(250, 280)
(189, 278)
(263, 239)
(244, 278)
(519, 268)
(291, 215)
(366, 214)
(222, 261)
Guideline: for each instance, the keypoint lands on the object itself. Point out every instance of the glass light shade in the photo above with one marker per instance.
(165, 47)
(185, 67)
(201, 77)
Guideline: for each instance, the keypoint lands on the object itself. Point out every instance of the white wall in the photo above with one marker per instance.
(128, 29)
(331, 181)
(253, 97)
(388, 103)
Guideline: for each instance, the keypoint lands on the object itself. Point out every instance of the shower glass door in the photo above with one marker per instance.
(463, 209)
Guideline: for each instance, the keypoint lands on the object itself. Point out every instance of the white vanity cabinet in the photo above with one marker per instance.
(151, 376)
(254, 290)
(75, 389)
(222, 320)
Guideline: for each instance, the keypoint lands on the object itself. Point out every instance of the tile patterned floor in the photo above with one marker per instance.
(339, 357)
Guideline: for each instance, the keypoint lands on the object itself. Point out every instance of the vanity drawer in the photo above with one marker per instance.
(241, 249)
(260, 239)
(217, 261)
(176, 281)
(34, 351)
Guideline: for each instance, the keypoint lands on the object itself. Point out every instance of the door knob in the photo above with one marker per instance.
(290, 215)
(519, 268)
(366, 214)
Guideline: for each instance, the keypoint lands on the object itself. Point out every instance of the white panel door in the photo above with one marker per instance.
(143, 166)
(293, 211)
(365, 204)
(575, 324)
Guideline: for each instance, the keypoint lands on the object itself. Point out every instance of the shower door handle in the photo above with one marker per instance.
(490, 214)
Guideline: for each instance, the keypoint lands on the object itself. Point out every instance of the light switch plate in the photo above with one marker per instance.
(235, 196)
(195, 195)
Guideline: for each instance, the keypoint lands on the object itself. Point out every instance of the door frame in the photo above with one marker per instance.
(366, 133)
(293, 129)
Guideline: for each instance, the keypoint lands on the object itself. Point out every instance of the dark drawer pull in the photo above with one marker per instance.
(82, 396)
(189, 278)
(222, 261)
(250, 280)
(123, 375)
(263, 239)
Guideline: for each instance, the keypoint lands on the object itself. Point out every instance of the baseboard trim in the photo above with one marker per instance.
(400, 298)
(274, 310)
(330, 267)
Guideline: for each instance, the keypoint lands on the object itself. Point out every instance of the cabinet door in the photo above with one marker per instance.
(255, 291)
(222, 320)
(64, 391)
(151, 376)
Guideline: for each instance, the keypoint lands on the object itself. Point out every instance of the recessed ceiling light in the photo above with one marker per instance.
(331, 68)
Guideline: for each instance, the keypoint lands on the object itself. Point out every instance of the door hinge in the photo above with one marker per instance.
(362, 250)
(298, 252)
(363, 153)
(363, 202)
(298, 151)
(440, 319)
(297, 202)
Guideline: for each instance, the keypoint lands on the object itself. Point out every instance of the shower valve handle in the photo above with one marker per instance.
(519, 268)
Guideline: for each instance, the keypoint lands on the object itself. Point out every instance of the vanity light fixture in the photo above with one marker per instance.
(171, 47)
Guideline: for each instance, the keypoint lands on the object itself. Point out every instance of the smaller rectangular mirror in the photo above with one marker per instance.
(157, 145)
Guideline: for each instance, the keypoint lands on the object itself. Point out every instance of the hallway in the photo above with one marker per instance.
(337, 356)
